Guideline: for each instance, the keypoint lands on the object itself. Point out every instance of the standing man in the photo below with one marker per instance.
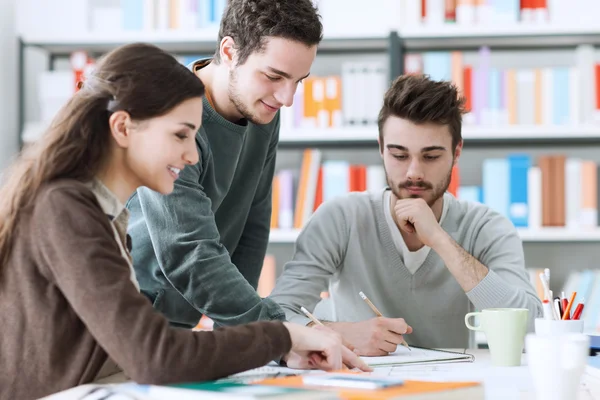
(200, 249)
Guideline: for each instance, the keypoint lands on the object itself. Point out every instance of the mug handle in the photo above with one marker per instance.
(471, 327)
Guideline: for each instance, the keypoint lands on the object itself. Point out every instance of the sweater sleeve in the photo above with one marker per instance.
(76, 244)
(507, 284)
(320, 250)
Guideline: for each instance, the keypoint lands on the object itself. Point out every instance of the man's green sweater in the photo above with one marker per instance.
(200, 249)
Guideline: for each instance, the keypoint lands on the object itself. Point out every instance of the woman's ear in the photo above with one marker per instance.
(120, 125)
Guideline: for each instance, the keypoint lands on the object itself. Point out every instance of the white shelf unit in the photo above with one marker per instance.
(496, 30)
(470, 133)
(503, 35)
(542, 235)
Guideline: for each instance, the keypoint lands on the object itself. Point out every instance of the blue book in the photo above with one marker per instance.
(470, 193)
(560, 98)
(204, 13)
(438, 65)
(519, 165)
(496, 184)
(336, 178)
(133, 14)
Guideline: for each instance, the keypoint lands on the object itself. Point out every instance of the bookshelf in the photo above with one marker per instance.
(394, 45)
(201, 41)
(543, 235)
(472, 135)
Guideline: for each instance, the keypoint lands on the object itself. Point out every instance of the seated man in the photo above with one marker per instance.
(423, 257)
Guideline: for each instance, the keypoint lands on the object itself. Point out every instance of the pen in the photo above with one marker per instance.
(548, 313)
(567, 313)
(557, 309)
(379, 314)
(578, 310)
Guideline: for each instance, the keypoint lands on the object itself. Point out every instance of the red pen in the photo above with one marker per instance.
(578, 311)
(565, 303)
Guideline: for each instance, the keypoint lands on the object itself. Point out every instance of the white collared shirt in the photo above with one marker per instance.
(119, 219)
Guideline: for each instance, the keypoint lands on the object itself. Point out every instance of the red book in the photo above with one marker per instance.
(454, 181)
(468, 87)
(597, 86)
(319, 191)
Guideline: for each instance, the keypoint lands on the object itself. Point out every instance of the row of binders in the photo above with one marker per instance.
(552, 191)
(155, 15)
(543, 96)
(353, 98)
(468, 12)
(297, 194)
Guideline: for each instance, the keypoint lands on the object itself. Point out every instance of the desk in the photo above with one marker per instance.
(500, 383)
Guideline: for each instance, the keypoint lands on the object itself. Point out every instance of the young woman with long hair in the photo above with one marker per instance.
(70, 305)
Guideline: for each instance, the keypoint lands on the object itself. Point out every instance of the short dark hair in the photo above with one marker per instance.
(249, 22)
(420, 99)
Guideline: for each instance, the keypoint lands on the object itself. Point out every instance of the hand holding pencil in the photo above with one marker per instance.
(379, 314)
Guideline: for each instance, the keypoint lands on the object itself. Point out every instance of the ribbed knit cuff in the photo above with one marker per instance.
(491, 292)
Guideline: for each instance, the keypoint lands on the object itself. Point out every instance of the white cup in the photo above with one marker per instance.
(551, 327)
(556, 364)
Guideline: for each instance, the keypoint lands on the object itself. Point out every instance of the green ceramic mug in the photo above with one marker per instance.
(505, 329)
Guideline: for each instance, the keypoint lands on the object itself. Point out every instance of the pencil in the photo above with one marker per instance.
(312, 317)
(316, 321)
(379, 314)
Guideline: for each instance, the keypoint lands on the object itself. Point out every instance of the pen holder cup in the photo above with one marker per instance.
(556, 364)
(552, 327)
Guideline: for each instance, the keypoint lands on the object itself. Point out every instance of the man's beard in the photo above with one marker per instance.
(435, 193)
(237, 101)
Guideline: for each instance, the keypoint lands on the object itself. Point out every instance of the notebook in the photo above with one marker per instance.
(352, 381)
(418, 355)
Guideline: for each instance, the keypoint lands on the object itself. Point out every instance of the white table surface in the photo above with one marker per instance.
(500, 383)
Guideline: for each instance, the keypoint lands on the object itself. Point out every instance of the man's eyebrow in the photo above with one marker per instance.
(423, 150)
(432, 148)
(284, 74)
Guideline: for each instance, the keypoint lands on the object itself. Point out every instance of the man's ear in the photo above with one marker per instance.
(458, 152)
(227, 51)
(120, 123)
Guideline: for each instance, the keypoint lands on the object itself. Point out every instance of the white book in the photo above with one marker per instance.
(412, 13)
(574, 97)
(534, 197)
(375, 178)
(547, 96)
(436, 10)
(162, 11)
(149, 15)
(362, 90)
(349, 93)
(587, 90)
(573, 192)
(526, 96)
(465, 14)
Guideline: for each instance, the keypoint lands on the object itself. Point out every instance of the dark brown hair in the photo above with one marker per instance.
(250, 22)
(420, 100)
(138, 78)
